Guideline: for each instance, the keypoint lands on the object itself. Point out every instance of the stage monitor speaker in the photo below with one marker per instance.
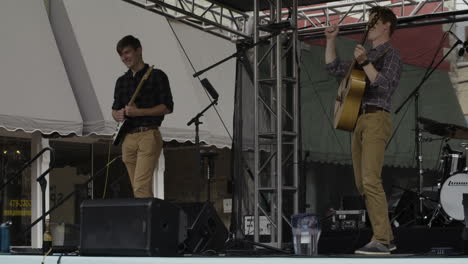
(206, 230)
(131, 227)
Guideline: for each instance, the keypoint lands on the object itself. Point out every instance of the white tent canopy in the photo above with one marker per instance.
(87, 32)
(35, 91)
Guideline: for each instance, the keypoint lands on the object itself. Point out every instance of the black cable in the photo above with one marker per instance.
(324, 110)
(59, 260)
(437, 164)
(193, 68)
(397, 127)
(425, 77)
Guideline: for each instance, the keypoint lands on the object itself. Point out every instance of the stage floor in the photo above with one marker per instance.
(344, 259)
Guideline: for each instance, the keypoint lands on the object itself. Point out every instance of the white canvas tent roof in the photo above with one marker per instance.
(35, 91)
(87, 32)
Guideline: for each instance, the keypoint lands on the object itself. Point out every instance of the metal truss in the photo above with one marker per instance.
(320, 16)
(205, 15)
(231, 24)
(353, 15)
(276, 142)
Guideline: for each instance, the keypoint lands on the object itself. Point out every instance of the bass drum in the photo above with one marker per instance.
(451, 195)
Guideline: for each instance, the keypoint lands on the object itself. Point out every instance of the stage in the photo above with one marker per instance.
(343, 259)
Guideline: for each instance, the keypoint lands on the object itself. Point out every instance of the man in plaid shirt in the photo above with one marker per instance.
(382, 66)
(143, 143)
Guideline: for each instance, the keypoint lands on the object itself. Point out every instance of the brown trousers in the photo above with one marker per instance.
(140, 153)
(368, 146)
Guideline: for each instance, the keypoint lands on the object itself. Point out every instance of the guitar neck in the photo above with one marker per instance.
(353, 64)
(137, 90)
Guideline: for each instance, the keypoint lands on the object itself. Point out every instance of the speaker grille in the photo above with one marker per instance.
(133, 227)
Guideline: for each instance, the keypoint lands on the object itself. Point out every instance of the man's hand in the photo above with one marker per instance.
(120, 115)
(331, 32)
(360, 54)
(131, 110)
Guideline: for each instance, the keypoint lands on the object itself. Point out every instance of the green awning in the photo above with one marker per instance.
(437, 101)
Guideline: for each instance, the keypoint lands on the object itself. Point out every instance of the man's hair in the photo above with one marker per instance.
(385, 15)
(128, 41)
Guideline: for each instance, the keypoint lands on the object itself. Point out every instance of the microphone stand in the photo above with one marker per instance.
(417, 130)
(65, 198)
(41, 180)
(196, 120)
(242, 48)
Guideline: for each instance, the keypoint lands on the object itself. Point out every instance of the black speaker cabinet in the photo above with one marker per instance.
(131, 227)
(206, 230)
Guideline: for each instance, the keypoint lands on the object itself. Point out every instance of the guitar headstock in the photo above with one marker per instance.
(374, 20)
(147, 73)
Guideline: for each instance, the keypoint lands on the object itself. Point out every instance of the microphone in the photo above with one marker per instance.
(210, 89)
(462, 50)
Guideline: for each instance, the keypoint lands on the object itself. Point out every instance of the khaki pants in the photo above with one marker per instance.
(140, 153)
(368, 146)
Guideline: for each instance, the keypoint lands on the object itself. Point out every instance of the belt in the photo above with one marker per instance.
(371, 109)
(142, 129)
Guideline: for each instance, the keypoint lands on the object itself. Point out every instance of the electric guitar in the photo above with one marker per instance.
(351, 91)
(123, 127)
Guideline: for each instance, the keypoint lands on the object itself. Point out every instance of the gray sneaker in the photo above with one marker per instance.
(392, 246)
(373, 248)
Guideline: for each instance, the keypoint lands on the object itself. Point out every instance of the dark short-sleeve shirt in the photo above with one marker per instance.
(387, 61)
(155, 91)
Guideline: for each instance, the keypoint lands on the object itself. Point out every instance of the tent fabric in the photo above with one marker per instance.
(437, 101)
(88, 41)
(36, 92)
(424, 45)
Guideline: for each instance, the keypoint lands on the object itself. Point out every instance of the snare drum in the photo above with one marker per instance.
(451, 195)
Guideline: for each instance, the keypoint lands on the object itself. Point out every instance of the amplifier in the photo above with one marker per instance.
(348, 219)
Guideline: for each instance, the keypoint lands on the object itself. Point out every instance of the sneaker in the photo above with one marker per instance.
(373, 248)
(392, 246)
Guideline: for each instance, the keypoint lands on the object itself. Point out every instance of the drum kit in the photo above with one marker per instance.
(453, 171)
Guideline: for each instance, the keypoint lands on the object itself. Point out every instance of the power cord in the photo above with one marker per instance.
(193, 68)
(59, 260)
(45, 255)
(107, 171)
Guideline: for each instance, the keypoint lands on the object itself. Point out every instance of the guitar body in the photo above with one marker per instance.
(349, 100)
(121, 131)
(123, 127)
(351, 90)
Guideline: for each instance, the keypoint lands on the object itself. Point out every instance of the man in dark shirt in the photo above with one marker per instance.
(143, 143)
(382, 66)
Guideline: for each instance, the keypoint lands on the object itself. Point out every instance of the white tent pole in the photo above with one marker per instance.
(38, 167)
(158, 177)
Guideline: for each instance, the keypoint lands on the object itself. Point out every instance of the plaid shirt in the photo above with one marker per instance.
(387, 62)
(155, 91)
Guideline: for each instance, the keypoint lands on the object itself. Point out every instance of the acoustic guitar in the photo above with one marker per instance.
(351, 91)
(123, 127)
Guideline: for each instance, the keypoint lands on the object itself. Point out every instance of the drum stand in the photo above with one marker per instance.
(418, 216)
(418, 131)
(446, 219)
(465, 146)
(445, 175)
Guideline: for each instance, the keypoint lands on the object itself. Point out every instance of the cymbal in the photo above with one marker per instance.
(444, 129)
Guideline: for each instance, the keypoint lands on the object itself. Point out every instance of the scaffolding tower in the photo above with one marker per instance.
(276, 143)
